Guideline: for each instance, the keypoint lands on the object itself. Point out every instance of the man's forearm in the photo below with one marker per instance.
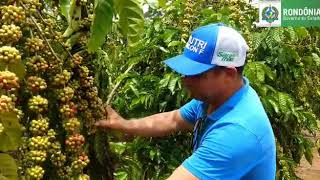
(155, 125)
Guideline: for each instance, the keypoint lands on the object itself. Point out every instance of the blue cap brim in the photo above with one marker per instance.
(186, 66)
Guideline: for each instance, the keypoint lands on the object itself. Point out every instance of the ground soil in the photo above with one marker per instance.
(310, 172)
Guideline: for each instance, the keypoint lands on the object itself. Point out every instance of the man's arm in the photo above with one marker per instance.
(151, 126)
(182, 173)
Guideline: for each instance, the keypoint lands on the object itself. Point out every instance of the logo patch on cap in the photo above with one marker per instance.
(196, 45)
(227, 56)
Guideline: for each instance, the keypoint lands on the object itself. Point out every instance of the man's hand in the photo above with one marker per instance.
(113, 121)
(156, 125)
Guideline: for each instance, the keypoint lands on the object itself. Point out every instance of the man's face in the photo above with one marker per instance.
(207, 86)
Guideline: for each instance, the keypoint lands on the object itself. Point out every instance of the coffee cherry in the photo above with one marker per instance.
(35, 172)
(38, 104)
(37, 64)
(74, 143)
(72, 125)
(65, 94)
(12, 14)
(36, 84)
(9, 55)
(39, 127)
(8, 81)
(10, 34)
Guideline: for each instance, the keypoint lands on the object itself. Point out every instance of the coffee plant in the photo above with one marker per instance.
(49, 102)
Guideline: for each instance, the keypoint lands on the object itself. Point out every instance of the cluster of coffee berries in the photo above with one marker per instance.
(65, 94)
(36, 84)
(32, 5)
(6, 104)
(78, 164)
(34, 44)
(38, 104)
(9, 55)
(39, 143)
(12, 14)
(187, 19)
(51, 134)
(10, 34)
(68, 110)
(72, 125)
(75, 142)
(35, 172)
(91, 93)
(83, 71)
(62, 78)
(58, 159)
(77, 59)
(8, 81)
(37, 64)
(39, 127)
(36, 156)
(82, 104)
(87, 82)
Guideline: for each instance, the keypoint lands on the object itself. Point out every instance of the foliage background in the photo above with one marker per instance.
(283, 67)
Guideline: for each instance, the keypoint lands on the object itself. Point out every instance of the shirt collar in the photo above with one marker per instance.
(230, 103)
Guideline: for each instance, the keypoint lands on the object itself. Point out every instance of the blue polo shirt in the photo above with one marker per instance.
(238, 141)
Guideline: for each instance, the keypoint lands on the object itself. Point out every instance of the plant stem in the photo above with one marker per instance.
(39, 14)
(113, 91)
(41, 33)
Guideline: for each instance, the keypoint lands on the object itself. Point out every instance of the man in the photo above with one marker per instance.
(233, 138)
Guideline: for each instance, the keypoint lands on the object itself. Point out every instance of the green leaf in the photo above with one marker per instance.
(65, 8)
(162, 3)
(174, 43)
(131, 19)
(308, 151)
(302, 33)
(101, 25)
(316, 58)
(274, 105)
(172, 84)
(17, 68)
(118, 147)
(3, 177)
(10, 138)
(121, 175)
(8, 167)
(74, 19)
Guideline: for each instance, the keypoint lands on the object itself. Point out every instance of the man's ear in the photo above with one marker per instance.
(231, 72)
